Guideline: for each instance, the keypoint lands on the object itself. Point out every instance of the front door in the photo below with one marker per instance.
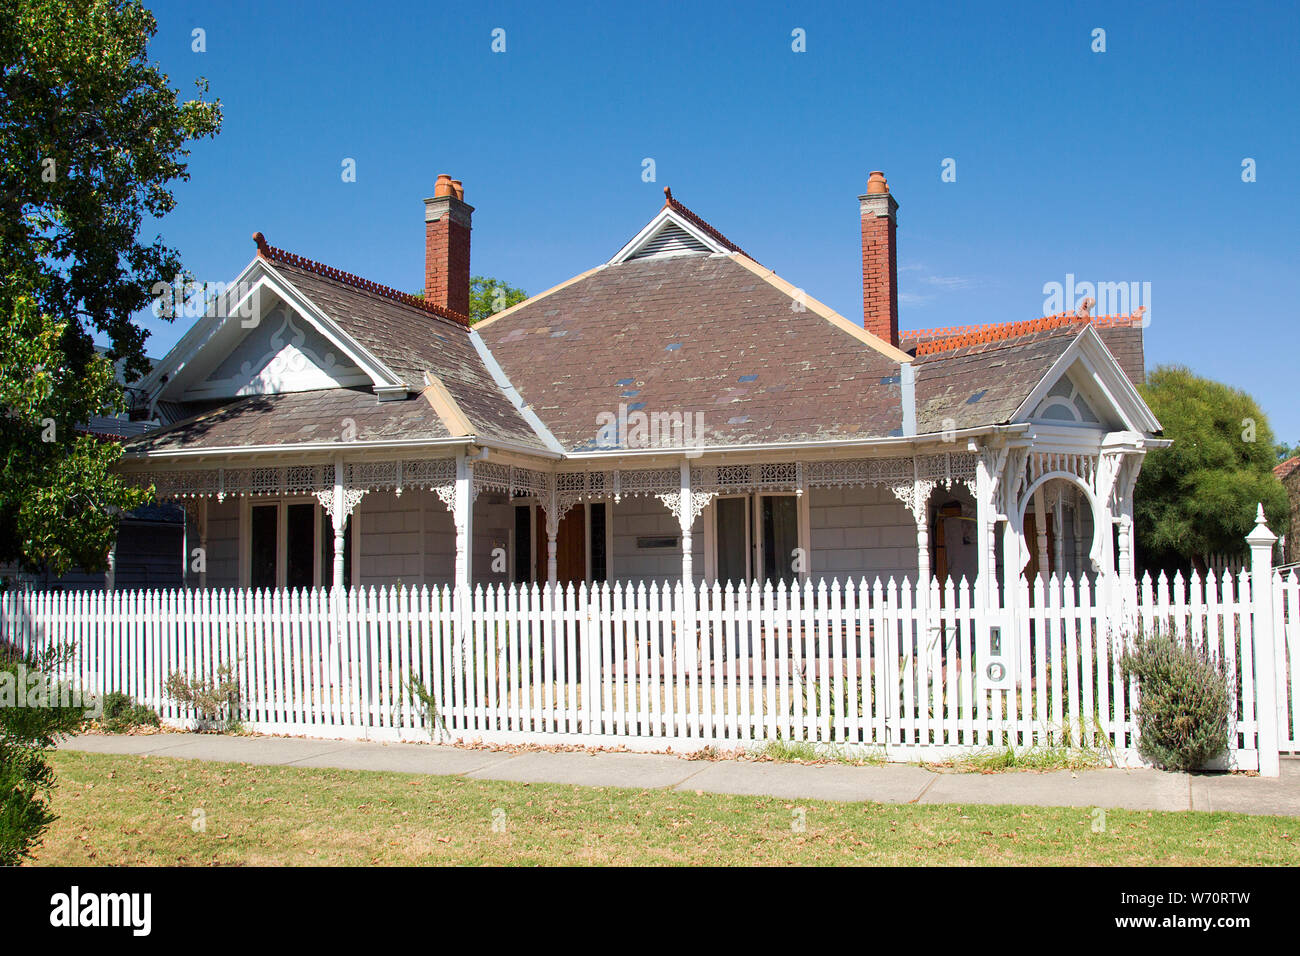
(570, 546)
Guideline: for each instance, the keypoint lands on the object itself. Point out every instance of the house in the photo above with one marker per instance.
(1288, 472)
(677, 412)
(149, 551)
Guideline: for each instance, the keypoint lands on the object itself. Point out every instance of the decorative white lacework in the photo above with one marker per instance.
(397, 476)
(699, 501)
(646, 481)
(910, 479)
(948, 469)
(511, 480)
(736, 479)
(572, 487)
(221, 483)
(858, 472)
(351, 498)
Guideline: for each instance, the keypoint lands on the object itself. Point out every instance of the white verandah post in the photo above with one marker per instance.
(685, 519)
(463, 517)
(985, 525)
(203, 544)
(1040, 534)
(339, 520)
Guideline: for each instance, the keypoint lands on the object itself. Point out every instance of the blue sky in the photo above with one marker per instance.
(1122, 166)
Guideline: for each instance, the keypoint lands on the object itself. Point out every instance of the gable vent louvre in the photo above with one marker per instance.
(671, 240)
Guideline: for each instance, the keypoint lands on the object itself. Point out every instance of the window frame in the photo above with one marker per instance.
(321, 575)
(754, 533)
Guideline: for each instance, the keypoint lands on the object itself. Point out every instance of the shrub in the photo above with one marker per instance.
(122, 714)
(26, 732)
(1183, 700)
(215, 700)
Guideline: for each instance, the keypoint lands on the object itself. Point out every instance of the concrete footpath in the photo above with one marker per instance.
(893, 783)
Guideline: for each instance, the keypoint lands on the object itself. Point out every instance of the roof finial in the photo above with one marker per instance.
(1085, 307)
(262, 248)
(668, 196)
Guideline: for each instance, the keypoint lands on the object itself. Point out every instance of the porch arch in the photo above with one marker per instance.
(1099, 522)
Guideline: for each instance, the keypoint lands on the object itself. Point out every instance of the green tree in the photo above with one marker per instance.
(1198, 496)
(92, 139)
(59, 500)
(35, 711)
(488, 296)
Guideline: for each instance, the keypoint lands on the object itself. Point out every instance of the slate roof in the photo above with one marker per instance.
(410, 340)
(706, 337)
(1121, 334)
(984, 383)
(292, 418)
(692, 334)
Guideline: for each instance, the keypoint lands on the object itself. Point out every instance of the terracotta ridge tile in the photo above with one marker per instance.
(687, 214)
(274, 254)
(930, 341)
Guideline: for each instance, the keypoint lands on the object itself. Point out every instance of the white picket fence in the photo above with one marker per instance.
(651, 668)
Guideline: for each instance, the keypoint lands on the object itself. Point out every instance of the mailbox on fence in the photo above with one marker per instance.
(995, 664)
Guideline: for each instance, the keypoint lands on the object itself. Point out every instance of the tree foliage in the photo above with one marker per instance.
(1198, 497)
(59, 500)
(92, 140)
(488, 296)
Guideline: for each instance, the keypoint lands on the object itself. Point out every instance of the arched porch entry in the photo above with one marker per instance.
(1058, 530)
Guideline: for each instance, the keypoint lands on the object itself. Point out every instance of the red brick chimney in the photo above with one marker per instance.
(446, 246)
(879, 260)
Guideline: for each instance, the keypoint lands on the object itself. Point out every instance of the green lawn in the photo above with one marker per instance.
(137, 810)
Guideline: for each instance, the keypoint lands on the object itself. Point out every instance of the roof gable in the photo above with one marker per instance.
(356, 332)
(281, 353)
(674, 231)
(258, 303)
(1095, 371)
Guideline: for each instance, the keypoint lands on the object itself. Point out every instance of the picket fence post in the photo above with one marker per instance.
(1261, 594)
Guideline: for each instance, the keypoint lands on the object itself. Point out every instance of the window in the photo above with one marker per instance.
(291, 544)
(754, 537)
(597, 551)
(780, 517)
(523, 544)
(732, 516)
(1065, 403)
(300, 541)
(264, 541)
